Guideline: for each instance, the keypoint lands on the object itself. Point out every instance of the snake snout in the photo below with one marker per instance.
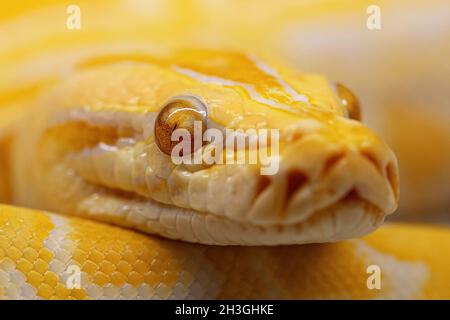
(323, 168)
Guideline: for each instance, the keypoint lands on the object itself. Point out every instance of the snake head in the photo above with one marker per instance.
(102, 146)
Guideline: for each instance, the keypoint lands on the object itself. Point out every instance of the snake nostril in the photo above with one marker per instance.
(295, 181)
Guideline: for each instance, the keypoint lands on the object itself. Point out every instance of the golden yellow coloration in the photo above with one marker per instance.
(398, 240)
(23, 243)
(421, 131)
(116, 263)
(80, 154)
(5, 192)
(100, 141)
(304, 32)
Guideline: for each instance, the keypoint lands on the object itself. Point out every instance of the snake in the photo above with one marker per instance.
(95, 148)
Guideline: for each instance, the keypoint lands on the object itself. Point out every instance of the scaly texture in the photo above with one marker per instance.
(323, 36)
(39, 253)
(94, 152)
(37, 249)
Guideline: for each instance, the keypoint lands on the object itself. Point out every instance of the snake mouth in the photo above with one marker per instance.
(108, 167)
(350, 217)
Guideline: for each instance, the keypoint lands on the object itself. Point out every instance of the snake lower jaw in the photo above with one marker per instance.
(350, 217)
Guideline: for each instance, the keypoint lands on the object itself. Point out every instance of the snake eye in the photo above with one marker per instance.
(350, 101)
(183, 112)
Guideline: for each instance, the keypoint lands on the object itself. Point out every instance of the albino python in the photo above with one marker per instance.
(94, 145)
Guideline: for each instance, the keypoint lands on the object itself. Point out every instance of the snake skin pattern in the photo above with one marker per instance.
(96, 155)
(76, 138)
(50, 256)
(38, 249)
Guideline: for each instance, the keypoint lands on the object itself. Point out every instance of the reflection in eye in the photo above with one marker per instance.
(350, 101)
(179, 113)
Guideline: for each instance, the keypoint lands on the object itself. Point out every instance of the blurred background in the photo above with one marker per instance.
(400, 70)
